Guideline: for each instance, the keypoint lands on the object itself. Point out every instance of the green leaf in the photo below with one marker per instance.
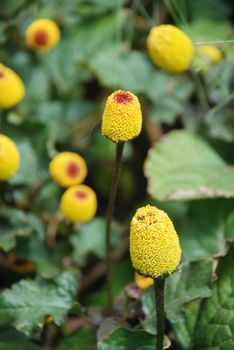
(12, 344)
(82, 339)
(27, 303)
(123, 338)
(206, 29)
(192, 283)
(16, 223)
(215, 325)
(184, 166)
(27, 173)
(90, 239)
(119, 70)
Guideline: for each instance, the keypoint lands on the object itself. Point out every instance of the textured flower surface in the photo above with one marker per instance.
(42, 35)
(122, 118)
(68, 168)
(142, 281)
(79, 203)
(9, 157)
(12, 88)
(211, 52)
(170, 48)
(154, 244)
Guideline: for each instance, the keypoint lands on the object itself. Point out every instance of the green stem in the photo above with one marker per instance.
(159, 284)
(109, 215)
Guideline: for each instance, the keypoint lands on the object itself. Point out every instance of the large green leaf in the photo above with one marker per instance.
(123, 338)
(82, 339)
(183, 166)
(215, 325)
(127, 71)
(27, 303)
(192, 283)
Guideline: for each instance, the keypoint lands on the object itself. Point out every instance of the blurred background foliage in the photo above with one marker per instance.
(189, 129)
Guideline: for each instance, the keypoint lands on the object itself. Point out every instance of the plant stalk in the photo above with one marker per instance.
(109, 215)
(159, 286)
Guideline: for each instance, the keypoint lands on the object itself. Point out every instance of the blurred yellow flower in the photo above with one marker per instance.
(154, 244)
(142, 281)
(211, 52)
(170, 48)
(18, 265)
(122, 118)
(42, 35)
(9, 157)
(78, 203)
(12, 88)
(68, 168)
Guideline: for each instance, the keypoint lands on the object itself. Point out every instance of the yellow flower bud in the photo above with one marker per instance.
(122, 118)
(142, 281)
(211, 52)
(154, 244)
(9, 157)
(42, 35)
(12, 88)
(79, 203)
(68, 168)
(18, 265)
(170, 48)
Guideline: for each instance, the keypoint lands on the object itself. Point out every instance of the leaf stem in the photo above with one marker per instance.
(109, 215)
(159, 286)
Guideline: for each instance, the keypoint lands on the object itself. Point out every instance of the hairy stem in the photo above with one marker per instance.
(109, 215)
(159, 284)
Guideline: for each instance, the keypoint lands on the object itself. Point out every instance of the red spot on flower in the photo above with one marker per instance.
(41, 37)
(21, 262)
(81, 194)
(123, 97)
(1, 75)
(73, 169)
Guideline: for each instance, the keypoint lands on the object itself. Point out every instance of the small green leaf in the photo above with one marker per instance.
(82, 339)
(90, 239)
(27, 303)
(184, 166)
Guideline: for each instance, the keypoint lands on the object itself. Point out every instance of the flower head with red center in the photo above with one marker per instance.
(122, 118)
(42, 35)
(78, 203)
(17, 264)
(12, 88)
(68, 168)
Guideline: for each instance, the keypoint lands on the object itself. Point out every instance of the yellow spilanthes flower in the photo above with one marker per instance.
(42, 35)
(12, 88)
(211, 52)
(122, 118)
(154, 245)
(18, 264)
(68, 168)
(142, 281)
(9, 157)
(170, 48)
(78, 203)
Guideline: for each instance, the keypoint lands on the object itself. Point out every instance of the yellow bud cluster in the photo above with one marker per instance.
(122, 118)
(9, 157)
(42, 35)
(12, 88)
(170, 48)
(154, 244)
